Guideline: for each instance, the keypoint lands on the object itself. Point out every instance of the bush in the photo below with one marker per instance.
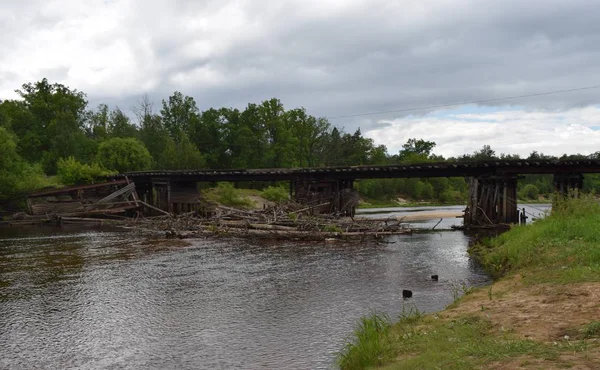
(16, 175)
(275, 194)
(529, 191)
(72, 172)
(226, 194)
(123, 155)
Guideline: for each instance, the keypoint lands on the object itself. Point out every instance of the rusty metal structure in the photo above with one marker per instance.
(492, 184)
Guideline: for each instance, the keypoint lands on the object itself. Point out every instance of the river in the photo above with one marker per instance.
(108, 298)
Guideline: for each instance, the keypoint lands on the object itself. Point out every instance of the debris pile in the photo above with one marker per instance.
(290, 221)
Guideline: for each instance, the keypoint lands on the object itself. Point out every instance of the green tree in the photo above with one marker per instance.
(123, 155)
(17, 176)
(50, 122)
(119, 125)
(179, 114)
(416, 150)
(181, 155)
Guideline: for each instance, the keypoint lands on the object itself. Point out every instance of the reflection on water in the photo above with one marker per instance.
(108, 299)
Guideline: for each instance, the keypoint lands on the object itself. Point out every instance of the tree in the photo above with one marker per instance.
(119, 125)
(181, 154)
(416, 149)
(485, 153)
(123, 155)
(179, 114)
(50, 124)
(17, 176)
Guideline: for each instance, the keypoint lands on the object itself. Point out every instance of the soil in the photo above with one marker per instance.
(545, 312)
(542, 312)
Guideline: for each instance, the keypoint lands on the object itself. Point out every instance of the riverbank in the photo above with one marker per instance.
(542, 312)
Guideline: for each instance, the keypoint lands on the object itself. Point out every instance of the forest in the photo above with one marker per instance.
(51, 137)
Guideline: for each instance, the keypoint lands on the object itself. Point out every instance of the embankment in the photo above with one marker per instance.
(542, 312)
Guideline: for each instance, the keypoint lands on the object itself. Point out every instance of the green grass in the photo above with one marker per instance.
(464, 343)
(427, 342)
(591, 330)
(371, 344)
(561, 248)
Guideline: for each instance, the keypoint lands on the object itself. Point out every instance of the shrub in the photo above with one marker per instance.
(16, 175)
(275, 194)
(123, 155)
(529, 191)
(226, 194)
(73, 172)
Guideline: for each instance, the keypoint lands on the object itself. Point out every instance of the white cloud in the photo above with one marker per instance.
(510, 132)
(333, 57)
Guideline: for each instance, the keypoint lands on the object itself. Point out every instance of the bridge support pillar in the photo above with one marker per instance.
(492, 201)
(569, 184)
(326, 196)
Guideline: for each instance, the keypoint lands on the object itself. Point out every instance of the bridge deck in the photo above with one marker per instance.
(439, 169)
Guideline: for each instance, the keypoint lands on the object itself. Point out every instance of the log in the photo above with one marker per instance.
(154, 208)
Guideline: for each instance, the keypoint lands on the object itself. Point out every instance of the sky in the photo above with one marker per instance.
(335, 58)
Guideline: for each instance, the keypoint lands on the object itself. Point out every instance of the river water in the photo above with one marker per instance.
(113, 299)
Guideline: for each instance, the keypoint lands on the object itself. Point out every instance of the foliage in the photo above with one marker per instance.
(226, 194)
(529, 191)
(275, 194)
(370, 345)
(72, 172)
(563, 246)
(123, 155)
(180, 155)
(18, 176)
(52, 121)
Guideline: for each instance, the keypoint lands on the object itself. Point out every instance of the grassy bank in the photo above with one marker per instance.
(542, 312)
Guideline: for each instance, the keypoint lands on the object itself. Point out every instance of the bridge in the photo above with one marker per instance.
(492, 184)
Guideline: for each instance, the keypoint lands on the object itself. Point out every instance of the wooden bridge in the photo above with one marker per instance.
(492, 184)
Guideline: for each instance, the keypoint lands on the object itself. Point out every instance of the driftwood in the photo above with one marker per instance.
(284, 221)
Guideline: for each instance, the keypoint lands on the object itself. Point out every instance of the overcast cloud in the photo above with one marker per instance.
(332, 57)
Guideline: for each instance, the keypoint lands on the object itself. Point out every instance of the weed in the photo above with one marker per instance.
(409, 314)
(591, 330)
(370, 345)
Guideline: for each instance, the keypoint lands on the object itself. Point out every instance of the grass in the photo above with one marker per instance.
(371, 344)
(563, 248)
(226, 194)
(591, 330)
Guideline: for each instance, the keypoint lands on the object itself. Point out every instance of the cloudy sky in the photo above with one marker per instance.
(335, 58)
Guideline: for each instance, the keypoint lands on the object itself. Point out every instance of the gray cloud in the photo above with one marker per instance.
(332, 57)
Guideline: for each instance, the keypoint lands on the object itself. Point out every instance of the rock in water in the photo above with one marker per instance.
(434, 277)
(406, 293)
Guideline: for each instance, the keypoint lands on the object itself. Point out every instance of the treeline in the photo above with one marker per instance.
(52, 136)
